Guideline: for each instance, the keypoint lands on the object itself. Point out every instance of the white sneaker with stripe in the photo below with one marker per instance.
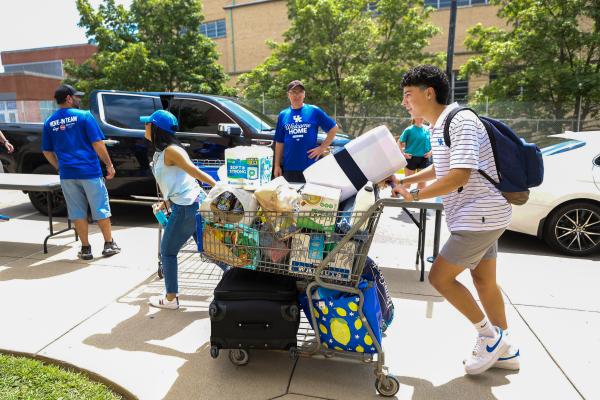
(510, 359)
(486, 352)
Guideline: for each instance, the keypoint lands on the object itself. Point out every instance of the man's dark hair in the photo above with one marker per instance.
(162, 139)
(428, 76)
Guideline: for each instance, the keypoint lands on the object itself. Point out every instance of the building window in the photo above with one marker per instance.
(460, 3)
(54, 68)
(8, 111)
(214, 29)
(47, 107)
(460, 88)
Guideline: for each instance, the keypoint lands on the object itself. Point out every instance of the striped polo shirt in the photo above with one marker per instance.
(479, 206)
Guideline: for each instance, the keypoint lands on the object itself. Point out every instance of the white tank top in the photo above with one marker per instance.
(175, 184)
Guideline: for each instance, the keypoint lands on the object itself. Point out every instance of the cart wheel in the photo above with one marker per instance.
(387, 385)
(294, 353)
(214, 351)
(239, 357)
(213, 310)
(160, 270)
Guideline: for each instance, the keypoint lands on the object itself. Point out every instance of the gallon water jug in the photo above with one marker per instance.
(365, 198)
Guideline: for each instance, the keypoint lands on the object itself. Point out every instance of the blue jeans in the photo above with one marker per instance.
(180, 227)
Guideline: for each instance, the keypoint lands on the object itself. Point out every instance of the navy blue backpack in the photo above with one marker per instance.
(519, 164)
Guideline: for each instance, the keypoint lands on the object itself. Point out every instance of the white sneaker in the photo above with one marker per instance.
(162, 302)
(486, 352)
(510, 359)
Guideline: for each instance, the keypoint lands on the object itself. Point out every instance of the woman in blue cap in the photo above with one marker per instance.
(176, 176)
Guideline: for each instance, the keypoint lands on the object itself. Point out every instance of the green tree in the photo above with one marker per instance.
(346, 56)
(156, 45)
(548, 59)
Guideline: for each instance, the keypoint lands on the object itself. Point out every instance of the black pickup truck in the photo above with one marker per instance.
(207, 126)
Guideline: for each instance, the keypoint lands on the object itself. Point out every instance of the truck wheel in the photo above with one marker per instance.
(39, 199)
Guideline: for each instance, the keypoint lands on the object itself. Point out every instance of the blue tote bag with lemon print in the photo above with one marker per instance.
(338, 321)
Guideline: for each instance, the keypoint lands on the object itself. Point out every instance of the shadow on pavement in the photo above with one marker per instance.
(472, 387)
(27, 271)
(185, 334)
(147, 327)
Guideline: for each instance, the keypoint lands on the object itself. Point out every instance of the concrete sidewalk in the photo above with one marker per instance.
(95, 315)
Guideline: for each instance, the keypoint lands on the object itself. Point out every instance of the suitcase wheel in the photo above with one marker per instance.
(294, 312)
(239, 357)
(214, 351)
(294, 353)
(213, 310)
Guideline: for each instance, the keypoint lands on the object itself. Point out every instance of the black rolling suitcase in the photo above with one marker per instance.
(253, 310)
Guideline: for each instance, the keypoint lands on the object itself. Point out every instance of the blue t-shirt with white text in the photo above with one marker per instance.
(69, 133)
(297, 130)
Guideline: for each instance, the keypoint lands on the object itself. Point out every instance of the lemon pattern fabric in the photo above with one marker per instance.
(339, 323)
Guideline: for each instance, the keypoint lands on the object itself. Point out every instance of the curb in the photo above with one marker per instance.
(118, 389)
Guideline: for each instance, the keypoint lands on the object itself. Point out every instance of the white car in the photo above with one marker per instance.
(564, 210)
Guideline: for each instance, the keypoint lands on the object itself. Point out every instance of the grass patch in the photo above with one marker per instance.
(24, 378)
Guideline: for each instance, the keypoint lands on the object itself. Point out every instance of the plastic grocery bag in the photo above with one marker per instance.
(233, 244)
(226, 204)
(278, 195)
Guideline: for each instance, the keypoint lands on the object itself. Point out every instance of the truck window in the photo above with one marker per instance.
(124, 111)
(198, 116)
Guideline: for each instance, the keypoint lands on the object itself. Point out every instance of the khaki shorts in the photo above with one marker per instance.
(468, 248)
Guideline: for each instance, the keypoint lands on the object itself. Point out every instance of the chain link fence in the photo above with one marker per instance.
(528, 120)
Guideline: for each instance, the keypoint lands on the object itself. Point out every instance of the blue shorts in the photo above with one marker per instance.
(81, 192)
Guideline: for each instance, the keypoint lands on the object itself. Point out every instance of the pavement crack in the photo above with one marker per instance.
(287, 389)
(556, 308)
(554, 360)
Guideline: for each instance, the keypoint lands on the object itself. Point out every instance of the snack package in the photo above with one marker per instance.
(318, 207)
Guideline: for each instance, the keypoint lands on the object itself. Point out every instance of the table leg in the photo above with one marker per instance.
(423, 222)
(436, 234)
(420, 241)
(49, 204)
(52, 233)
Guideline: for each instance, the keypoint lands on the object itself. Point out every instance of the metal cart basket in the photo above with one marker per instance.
(325, 251)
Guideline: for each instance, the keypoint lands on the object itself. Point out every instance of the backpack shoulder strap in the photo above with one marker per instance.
(451, 115)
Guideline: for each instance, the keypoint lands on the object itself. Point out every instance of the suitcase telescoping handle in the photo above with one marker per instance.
(254, 325)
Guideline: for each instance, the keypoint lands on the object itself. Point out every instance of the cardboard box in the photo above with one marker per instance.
(306, 253)
(318, 207)
(343, 261)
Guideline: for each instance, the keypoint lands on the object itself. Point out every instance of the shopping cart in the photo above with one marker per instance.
(210, 167)
(325, 250)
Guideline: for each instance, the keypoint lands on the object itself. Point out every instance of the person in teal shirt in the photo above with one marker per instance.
(416, 147)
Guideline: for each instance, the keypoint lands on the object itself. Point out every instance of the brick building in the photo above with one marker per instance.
(240, 29)
(30, 78)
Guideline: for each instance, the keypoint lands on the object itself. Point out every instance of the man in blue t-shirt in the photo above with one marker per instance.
(296, 135)
(72, 142)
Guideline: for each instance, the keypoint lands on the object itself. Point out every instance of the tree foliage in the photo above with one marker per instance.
(348, 57)
(156, 45)
(548, 57)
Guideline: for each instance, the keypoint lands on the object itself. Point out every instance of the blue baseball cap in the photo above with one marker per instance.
(163, 119)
